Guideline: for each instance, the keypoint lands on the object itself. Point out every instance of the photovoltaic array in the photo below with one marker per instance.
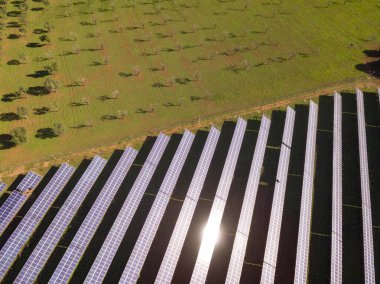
(172, 189)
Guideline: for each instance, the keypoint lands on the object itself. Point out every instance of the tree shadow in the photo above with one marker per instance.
(125, 75)
(182, 81)
(37, 91)
(41, 111)
(38, 74)
(195, 98)
(13, 36)
(170, 104)
(104, 98)
(34, 44)
(14, 62)
(372, 67)
(39, 31)
(6, 142)
(96, 63)
(13, 24)
(14, 13)
(158, 85)
(141, 110)
(36, 9)
(109, 117)
(76, 104)
(44, 133)
(87, 24)
(9, 116)
(10, 97)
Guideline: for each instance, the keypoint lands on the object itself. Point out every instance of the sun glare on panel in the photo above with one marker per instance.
(210, 237)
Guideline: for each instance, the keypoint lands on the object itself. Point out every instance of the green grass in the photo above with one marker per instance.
(290, 46)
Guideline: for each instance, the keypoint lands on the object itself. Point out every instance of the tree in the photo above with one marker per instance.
(22, 92)
(207, 95)
(45, 38)
(48, 26)
(121, 114)
(22, 30)
(51, 85)
(85, 101)
(22, 57)
(58, 129)
(197, 76)
(152, 108)
(54, 106)
(18, 135)
(76, 48)
(51, 68)
(107, 59)
(22, 112)
(81, 82)
(114, 94)
(245, 64)
(136, 71)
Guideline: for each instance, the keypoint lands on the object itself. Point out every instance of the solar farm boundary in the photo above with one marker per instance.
(110, 246)
(33, 217)
(147, 234)
(369, 258)
(168, 265)
(303, 240)
(213, 223)
(337, 224)
(16, 199)
(241, 238)
(274, 230)
(61, 221)
(92, 221)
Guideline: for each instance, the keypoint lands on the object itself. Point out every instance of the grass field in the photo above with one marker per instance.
(187, 59)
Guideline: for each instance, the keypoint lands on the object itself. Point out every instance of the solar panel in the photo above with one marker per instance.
(33, 217)
(213, 223)
(271, 248)
(146, 237)
(57, 227)
(336, 234)
(178, 236)
(241, 238)
(369, 265)
(303, 241)
(2, 186)
(30, 181)
(17, 198)
(111, 244)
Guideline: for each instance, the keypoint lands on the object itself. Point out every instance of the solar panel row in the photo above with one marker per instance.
(369, 264)
(52, 235)
(87, 230)
(2, 186)
(33, 217)
(241, 237)
(271, 247)
(303, 242)
(30, 181)
(17, 198)
(109, 248)
(336, 232)
(144, 242)
(181, 228)
(211, 230)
